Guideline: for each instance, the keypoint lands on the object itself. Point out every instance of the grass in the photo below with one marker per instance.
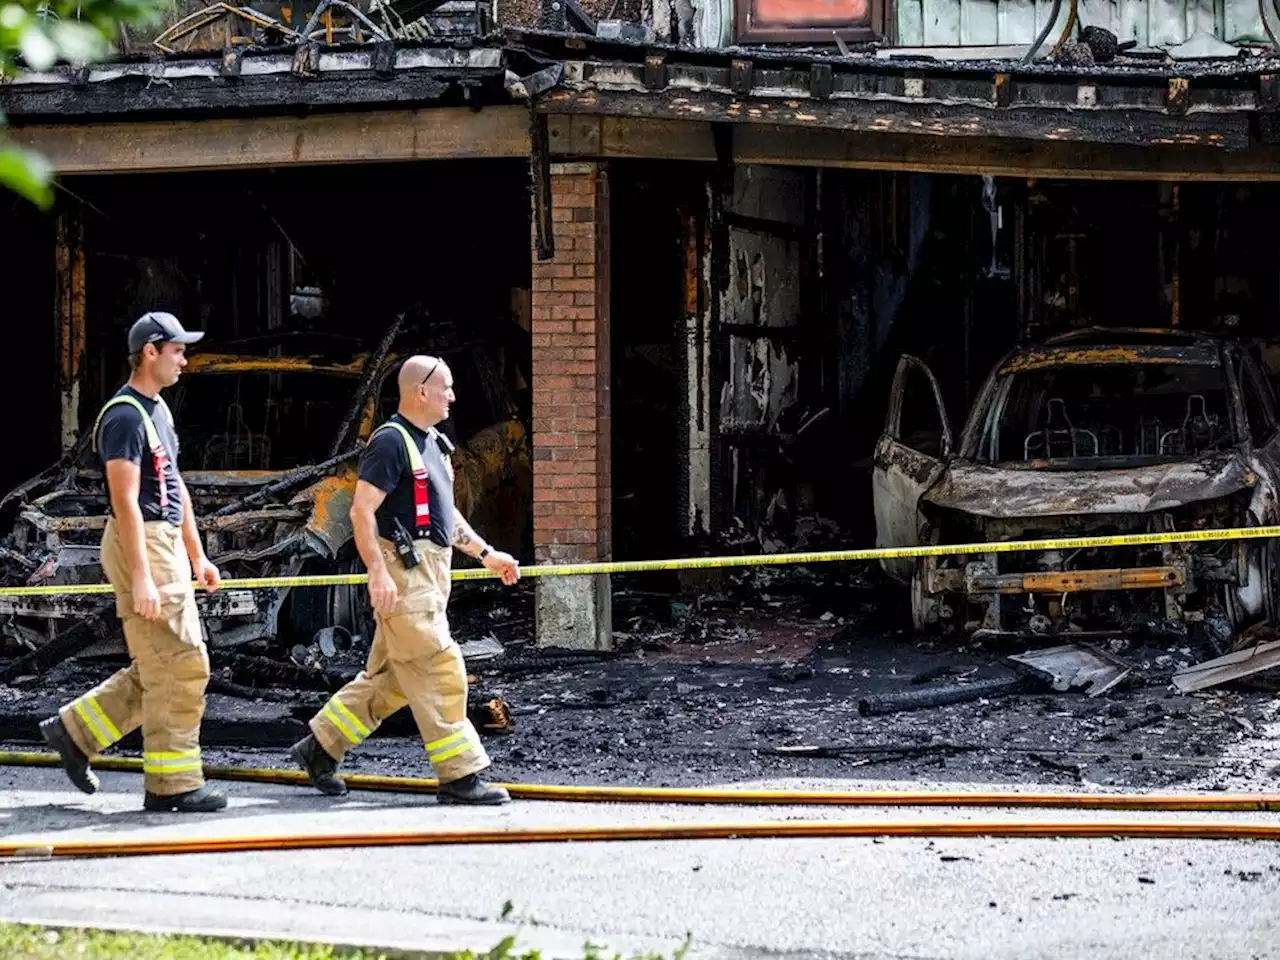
(22, 942)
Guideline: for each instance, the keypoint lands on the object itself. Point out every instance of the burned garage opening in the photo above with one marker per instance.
(312, 285)
(839, 355)
(1139, 398)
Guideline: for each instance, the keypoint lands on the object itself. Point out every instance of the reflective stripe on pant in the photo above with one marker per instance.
(162, 690)
(413, 661)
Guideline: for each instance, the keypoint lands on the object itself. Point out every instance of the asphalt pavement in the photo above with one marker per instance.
(864, 898)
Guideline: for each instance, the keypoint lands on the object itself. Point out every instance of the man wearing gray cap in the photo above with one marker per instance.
(150, 549)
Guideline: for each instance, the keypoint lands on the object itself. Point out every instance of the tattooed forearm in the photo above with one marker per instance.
(464, 538)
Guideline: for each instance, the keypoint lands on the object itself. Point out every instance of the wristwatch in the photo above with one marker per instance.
(484, 553)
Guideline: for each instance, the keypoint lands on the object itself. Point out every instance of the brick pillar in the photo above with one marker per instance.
(572, 494)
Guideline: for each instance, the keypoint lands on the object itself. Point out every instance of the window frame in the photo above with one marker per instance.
(748, 29)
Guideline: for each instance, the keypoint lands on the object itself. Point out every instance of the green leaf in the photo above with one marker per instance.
(37, 49)
(79, 42)
(28, 174)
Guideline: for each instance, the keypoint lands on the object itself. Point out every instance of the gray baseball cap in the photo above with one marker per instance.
(159, 327)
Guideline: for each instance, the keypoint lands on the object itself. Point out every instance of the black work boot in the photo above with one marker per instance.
(319, 766)
(472, 790)
(73, 759)
(205, 799)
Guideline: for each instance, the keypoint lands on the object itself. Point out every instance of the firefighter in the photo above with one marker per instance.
(406, 527)
(150, 550)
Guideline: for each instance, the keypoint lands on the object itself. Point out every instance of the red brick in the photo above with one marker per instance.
(553, 438)
(573, 425)
(585, 326)
(585, 299)
(552, 269)
(549, 325)
(582, 495)
(544, 339)
(571, 482)
(574, 340)
(555, 299)
(584, 269)
(572, 313)
(576, 285)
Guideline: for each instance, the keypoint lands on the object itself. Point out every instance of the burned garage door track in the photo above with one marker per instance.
(762, 675)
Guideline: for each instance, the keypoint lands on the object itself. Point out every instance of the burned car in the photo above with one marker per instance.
(269, 452)
(1093, 433)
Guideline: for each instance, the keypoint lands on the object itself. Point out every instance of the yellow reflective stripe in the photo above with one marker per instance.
(334, 713)
(467, 745)
(153, 437)
(91, 722)
(416, 463)
(101, 714)
(350, 717)
(173, 761)
(443, 742)
(451, 746)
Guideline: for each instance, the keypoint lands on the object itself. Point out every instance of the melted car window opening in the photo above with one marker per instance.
(1087, 417)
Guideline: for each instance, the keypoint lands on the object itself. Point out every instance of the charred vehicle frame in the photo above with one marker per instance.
(1092, 433)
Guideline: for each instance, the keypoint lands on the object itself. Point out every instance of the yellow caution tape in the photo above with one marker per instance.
(711, 563)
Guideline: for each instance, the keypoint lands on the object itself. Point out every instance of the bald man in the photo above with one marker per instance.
(406, 527)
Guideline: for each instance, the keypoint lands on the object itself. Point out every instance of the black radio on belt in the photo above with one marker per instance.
(404, 545)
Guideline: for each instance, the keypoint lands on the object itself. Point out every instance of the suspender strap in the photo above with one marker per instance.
(159, 457)
(421, 500)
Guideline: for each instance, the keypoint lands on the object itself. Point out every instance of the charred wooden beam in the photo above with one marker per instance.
(540, 166)
(626, 137)
(134, 97)
(655, 71)
(263, 141)
(82, 635)
(368, 383)
(1229, 132)
(69, 276)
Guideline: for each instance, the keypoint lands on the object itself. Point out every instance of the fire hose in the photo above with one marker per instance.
(1186, 802)
(791, 829)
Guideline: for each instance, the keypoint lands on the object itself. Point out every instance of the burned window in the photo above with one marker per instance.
(1118, 415)
(920, 423)
(258, 420)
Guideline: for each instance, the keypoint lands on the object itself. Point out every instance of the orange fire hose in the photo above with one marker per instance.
(666, 831)
(1171, 802)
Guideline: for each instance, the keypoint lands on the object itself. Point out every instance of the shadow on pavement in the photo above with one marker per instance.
(117, 807)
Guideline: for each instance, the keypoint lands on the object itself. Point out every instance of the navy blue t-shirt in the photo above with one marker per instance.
(121, 436)
(385, 464)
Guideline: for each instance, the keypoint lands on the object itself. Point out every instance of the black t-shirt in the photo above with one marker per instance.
(122, 436)
(385, 464)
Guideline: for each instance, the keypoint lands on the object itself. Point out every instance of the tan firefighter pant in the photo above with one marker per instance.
(163, 688)
(413, 661)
